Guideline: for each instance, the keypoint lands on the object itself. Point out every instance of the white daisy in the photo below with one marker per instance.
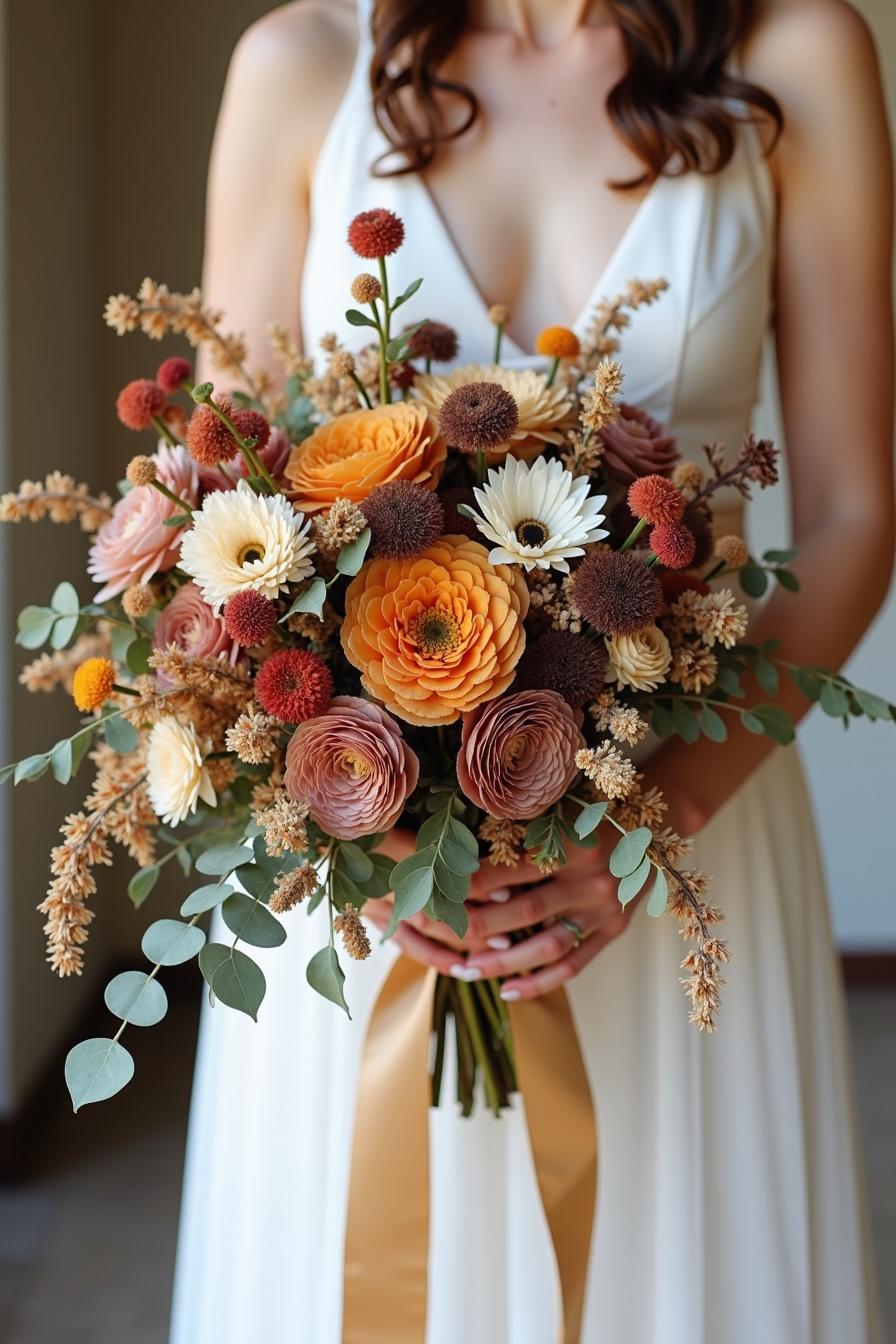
(242, 540)
(176, 773)
(538, 515)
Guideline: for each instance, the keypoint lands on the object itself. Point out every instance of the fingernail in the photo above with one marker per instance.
(500, 944)
(502, 894)
(461, 972)
(510, 995)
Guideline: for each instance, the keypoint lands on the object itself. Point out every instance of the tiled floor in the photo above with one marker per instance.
(86, 1247)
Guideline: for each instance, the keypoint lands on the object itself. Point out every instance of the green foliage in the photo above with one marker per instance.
(220, 860)
(205, 898)
(397, 351)
(97, 1069)
(326, 976)
(311, 599)
(168, 942)
(713, 725)
(136, 998)
(659, 895)
(629, 851)
(355, 318)
(142, 884)
(447, 857)
(547, 837)
(408, 293)
(252, 922)
(351, 557)
(590, 817)
(121, 735)
(233, 978)
(632, 883)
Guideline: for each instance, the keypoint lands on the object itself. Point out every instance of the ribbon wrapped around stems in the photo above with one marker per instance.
(387, 1232)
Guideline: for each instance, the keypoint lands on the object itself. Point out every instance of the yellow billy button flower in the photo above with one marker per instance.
(557, 343)
(93, 683)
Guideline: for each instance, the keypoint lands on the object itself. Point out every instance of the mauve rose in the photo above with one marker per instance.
(517, 753)
(352, 767)
(189, 623)
(637, 445)
(274, 455)
(135, 543)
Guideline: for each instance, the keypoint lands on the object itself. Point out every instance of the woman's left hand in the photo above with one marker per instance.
(578, 912)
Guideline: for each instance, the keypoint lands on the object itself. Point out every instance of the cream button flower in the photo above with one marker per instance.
(641, 660)
(241, 540)
(176, 773)
(539, 515)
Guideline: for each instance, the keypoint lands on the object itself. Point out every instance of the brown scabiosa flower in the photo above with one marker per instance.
(478, 416)
(655, 500)
(209, 440)
(517, 754)
(352, 767)
(293, 685)
(435, 341)
(173, 373)
(569, 664)
(673, 545)
(637, 445)
(138, 402)
(249, 617)
(375, 233)
(616, 592)
(404, 519)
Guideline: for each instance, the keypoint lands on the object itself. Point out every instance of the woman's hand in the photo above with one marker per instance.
(582, 892)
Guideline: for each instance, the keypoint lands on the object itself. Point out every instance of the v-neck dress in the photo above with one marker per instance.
(730, 1206)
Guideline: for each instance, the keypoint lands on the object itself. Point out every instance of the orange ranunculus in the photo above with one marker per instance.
(435, 636)
(348, 456)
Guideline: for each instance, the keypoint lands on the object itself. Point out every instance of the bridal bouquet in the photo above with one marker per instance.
(406, 592)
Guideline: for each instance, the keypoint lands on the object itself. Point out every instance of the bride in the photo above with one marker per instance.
(551, 151)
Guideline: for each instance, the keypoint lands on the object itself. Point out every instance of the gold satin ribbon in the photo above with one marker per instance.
(387, 1232)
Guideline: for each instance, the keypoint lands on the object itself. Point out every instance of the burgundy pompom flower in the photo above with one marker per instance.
(405, 519)
(352, 768)
(173, 373)
(252, 425)
(209, 440)
(517, 753)
(249, 617)
(656, 500)
(138, 402)
(478, 415)
(616, 592)
(569, 664)
(293, 685)
(402, 375)
(673, 545)
(435, 341)
(375, 233)
(637, 445)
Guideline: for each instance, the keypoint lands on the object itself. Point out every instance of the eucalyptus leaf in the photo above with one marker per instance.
(80, 747)
(31, 768)
(97, 1069)
(872, 705)
(629, 851)
(788, 580)
(351, 557)
(220, 860)
(454, 886)
(659, 895)
(357, 864)
(65, 599)
(380, 882)
(61, 761)
(138, 656)
(234, 979)
(767, 675)
(205, 898)
(64, 630)
(452, 913)
(35, 625)
(142, 883)
(412, 883)
(326, 976)
(252, 922)
(728, 681)
(589, 819)
(753, 579)
(457, 857)
(136, 999)
(807, 681)
(345, 892)
(687, 725)
(121, 735)
(311, 599)
(713, 725)
(170, 942)
(780, 557)
(463, 836)
(630, 885)
(833, 700)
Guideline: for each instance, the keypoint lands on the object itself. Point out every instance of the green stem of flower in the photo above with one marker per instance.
(499, 335)
(634, 534)
(125, 690)
(481, 465)
(253, 461)
(166, 433)
(552, 373)
(362, 390)
(169, 494)
(716, 569)
(385, 390)
(479, 1047)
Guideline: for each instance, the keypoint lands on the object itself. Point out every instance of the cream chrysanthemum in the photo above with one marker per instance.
(176, 773)
(545, 410)
(538, 515)
(641, 660)
(241, 540)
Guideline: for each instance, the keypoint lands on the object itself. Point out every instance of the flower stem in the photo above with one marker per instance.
(362, 390)
(552, 374)
(499, 334)
(169, 494)
(253, 461)
(479, 1047)
(634, 534)
(385, 392)
(165, 432)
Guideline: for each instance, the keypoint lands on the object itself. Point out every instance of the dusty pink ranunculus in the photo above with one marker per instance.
(189, 623)
(517, 753)
(637, 445)
(135, 544)
(274, 455)
(352, 767)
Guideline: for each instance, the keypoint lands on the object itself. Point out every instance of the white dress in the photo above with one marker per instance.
(730, 1207)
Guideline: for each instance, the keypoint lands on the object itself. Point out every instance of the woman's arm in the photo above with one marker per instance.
(285, 80)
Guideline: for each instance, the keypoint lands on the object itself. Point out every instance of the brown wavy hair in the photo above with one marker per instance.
(672, 106)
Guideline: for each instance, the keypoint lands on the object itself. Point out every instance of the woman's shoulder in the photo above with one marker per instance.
(807, 50)
(304, 39)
